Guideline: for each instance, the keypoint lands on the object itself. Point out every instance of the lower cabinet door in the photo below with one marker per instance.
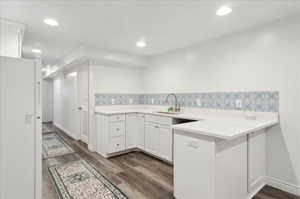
(151, 138)
(165, 141)
(117, 144)
(140, 136)
(131, 130)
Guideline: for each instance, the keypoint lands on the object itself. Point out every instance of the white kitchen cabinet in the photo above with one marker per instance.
(151, 138)
(193, 167)
(211, 168)
(131, 130)
(116, 129)
(125, 132)
(11, 38)
(110, 133)
(159, 137)
(165, 143)
(135, 136)
(117, 144)
(256, 160)
(140, 136)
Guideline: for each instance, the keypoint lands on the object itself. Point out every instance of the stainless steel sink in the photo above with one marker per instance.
(169, 112)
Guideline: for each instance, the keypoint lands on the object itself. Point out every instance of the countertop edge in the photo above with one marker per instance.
(229, 137)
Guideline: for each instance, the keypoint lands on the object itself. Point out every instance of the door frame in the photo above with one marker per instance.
(91, 118)
(38, 130)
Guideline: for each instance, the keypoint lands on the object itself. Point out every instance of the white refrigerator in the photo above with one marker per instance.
(20, 129)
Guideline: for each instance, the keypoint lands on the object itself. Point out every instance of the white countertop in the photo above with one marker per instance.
(224, 128)
(224, 124)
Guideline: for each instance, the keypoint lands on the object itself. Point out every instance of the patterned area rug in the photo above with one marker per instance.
(79, 180)
(54, 145)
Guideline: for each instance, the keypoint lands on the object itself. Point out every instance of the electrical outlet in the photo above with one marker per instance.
(239, 104)
(152, 101)
(199, 102)
(113, 101)
(130, 101)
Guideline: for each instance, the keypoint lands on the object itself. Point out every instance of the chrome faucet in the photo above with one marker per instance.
(177, 107)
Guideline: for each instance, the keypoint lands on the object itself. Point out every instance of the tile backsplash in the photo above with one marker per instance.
(265, 101)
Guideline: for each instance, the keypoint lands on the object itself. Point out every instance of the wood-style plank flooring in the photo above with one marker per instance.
(136, 174)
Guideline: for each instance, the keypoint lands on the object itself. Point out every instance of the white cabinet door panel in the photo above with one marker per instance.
(193, 167)
(117, 144)
(131, 130)
(165, 149)
(140, 137)
(116, 129)
(151, 138)
(256, 159)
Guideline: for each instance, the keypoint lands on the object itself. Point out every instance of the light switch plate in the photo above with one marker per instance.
(130, 101)
(152, 101)
(113, 101)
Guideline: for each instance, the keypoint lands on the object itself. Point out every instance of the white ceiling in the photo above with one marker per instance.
(117, 25)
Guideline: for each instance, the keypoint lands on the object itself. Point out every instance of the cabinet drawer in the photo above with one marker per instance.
(115, 118)
(116, 129)
(158, 119)
(117, 144)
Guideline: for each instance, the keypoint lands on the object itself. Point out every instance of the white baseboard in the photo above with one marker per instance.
(91, 147)
(255, 191)
(65, 130)
(257, 183)
(284, 186)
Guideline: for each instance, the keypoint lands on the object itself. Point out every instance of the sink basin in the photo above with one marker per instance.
(168, 112)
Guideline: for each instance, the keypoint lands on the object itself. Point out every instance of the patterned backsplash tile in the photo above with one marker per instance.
(251, 101)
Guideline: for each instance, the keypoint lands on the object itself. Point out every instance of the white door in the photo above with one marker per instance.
(151, 138)
(165, 149)
(18, 129)
(83, 101)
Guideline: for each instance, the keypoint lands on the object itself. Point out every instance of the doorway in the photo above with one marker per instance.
(83, 101)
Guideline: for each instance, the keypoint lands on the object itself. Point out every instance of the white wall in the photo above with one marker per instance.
(265, 58)
(110, 79)
(65, 115)
(47, 103)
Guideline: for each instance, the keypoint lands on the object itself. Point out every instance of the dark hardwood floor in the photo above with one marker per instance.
(136, 174)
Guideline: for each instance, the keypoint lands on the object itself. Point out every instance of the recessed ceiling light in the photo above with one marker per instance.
(224, 10)
(51, 22)
(141, 43)
(36, 51)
